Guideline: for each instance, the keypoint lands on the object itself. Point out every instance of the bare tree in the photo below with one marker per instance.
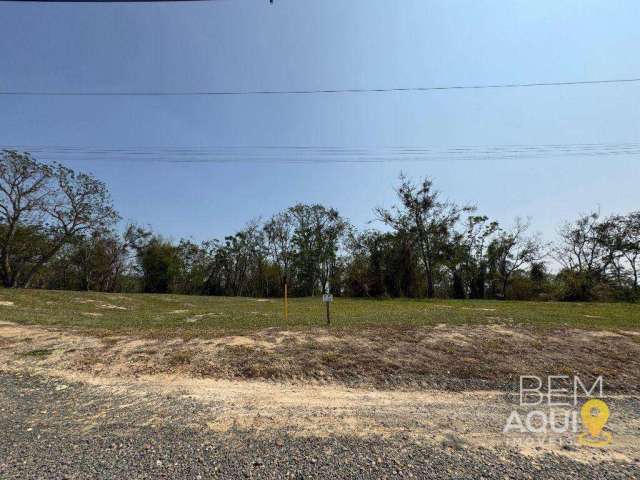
(512, 250)
(472, 245)
(581, 248)
(279, 231)
(631, 246)
(620, 239)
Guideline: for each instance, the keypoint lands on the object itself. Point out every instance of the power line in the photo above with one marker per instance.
(304, 154)
(110, 1)
(96, 93)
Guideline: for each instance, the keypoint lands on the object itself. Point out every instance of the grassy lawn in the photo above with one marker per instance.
(210, 316)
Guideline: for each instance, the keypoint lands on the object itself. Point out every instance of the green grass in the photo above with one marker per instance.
(38, 353)
(208, 316)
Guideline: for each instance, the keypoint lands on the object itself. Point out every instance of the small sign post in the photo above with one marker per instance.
(327, 298)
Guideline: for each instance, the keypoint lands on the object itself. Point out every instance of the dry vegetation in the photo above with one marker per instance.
(457, 345)
(438, 371)
(442, 357)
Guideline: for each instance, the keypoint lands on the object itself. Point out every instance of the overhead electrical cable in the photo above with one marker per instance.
(178, 93)
(326, 154)
(111, 1)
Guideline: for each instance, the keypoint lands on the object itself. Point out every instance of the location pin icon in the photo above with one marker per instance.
(595, 414)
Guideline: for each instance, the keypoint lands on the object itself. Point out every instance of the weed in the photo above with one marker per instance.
(89, 360)
(453, 441)
(39, 353)
(182, 357)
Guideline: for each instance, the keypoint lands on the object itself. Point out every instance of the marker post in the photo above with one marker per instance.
(327, 298)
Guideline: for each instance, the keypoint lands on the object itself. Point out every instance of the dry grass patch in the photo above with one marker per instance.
(180, 358)
(450, 357)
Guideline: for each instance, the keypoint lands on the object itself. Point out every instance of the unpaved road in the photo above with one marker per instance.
(58, 422)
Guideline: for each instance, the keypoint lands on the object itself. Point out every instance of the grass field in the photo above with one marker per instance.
(381, 343)
(170, 315)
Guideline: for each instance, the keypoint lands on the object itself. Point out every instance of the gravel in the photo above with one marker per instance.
(54, 430)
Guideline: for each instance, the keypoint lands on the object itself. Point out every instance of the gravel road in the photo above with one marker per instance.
(55, 430)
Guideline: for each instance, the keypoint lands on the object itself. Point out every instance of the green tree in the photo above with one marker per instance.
(422, 214)
(319, 233)
(50, 203)
(160, 266)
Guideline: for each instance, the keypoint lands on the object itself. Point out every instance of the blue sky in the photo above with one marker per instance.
(304, 44)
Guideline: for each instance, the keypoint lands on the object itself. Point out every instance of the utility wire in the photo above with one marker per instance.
(108, 1)
(327, 154)
(96, 93)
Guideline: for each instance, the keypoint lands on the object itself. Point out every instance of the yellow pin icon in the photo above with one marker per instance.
(595, 414)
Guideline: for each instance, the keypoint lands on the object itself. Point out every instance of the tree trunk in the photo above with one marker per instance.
(36, 268)
(425, 250)
(505, 282)
(430, 288)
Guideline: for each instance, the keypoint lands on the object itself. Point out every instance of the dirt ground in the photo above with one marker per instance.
(446, 385)
(464, 357)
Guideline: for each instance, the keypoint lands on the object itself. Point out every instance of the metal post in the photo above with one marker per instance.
(327, 298)
(328, 314)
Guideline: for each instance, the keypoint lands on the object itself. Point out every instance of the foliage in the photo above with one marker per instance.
(508, 252)
(428, 219)
(57, 231)
(159, 263)
(601, 257)
(42, 209)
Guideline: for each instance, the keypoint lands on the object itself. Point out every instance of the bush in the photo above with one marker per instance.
(574, 286)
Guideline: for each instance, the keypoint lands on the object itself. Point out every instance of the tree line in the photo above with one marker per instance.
(58, 231)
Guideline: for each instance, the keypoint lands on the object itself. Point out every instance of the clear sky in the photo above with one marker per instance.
(312, 44)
